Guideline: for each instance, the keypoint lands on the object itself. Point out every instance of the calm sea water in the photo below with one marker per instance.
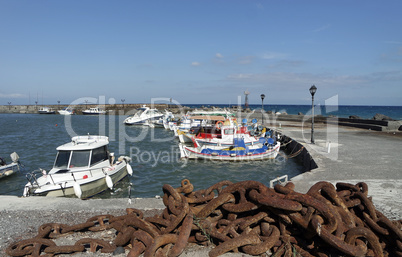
(155, 154)
(342, 111)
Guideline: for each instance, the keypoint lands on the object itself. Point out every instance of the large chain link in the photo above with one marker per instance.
(240, 217)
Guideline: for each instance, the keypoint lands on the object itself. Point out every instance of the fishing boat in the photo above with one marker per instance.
(239, 151)
(199, 119)
(46, 110)
(9, 169)
(94, 111)
(83, 167)
(66, 111)
(144, 115)
(221, 131)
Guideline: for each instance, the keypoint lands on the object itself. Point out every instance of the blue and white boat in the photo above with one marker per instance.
(46, 110)
(239, 151)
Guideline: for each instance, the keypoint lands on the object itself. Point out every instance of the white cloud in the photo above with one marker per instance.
(195, 64)
(14, 95)
(218, 55)
(322, 28)
(273, 55)
(246, 59)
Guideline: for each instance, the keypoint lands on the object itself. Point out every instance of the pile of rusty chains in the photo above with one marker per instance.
(245, 216)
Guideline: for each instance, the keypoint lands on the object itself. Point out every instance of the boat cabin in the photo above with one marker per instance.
(81, 152)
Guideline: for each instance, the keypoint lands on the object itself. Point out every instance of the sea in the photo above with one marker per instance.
(341, 111)
(154, 151)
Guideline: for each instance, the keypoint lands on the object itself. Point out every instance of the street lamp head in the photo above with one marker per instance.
(313, 89)
(262, 96)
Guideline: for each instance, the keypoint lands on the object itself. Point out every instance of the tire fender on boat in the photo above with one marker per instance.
(109, 182)
(26, 192)
(77, 190)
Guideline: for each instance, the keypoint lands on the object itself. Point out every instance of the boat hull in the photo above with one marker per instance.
(229, 155)
(89, 188)
(8, 170)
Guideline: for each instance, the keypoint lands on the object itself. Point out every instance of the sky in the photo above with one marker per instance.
(201, 52)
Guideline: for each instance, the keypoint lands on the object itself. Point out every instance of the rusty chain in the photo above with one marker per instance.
(239, 217)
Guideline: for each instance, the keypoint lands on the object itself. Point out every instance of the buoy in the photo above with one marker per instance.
(77, 190)
(129, 169)
(109, 182)
(56, 125)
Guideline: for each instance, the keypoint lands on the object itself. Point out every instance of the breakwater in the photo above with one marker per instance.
(270, 118)
(110, 108)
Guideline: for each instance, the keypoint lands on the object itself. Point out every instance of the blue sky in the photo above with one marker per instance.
(206, 52)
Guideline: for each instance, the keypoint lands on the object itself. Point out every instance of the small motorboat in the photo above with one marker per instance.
(83, 167)
(9, 169)
(265, 149)
(94, 111)
(66, 111)
(46, 110)
(144, 115)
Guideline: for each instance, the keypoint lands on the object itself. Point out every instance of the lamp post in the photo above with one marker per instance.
(9, 105)
(313, 89)
(123, 100)
(262, 108)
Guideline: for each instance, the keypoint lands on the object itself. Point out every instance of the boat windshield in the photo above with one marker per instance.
(62, 159)
(80, 158)
(140, 111)
(99, 155)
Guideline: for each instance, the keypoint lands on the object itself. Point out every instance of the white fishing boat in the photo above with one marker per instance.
(83, 168)
(66, 111)
(237, 152)
(143, 115)
(9, 169)
(94, 111)
(46, 110)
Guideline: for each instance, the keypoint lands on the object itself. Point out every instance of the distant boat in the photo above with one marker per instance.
(83, 167)
(66, 111)
(94, 111)
(144, 115)
(9, 169)
(46, 110)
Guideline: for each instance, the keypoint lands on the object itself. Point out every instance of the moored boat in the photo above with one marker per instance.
(222, 134)
(94, 111)
(46, 110)
(144, 115)
(66, 111)
(83, 167)
(11, 168)
(239, 151)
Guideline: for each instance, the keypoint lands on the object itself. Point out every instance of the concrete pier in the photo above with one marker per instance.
(352, 155)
